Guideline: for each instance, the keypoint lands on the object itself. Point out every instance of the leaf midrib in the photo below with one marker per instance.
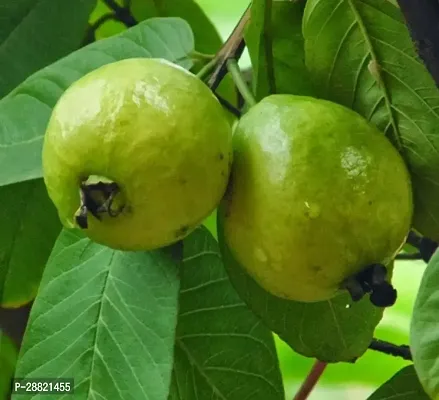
(381, 82)
(194, 362)
(98, 326)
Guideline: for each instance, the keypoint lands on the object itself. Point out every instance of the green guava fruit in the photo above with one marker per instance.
(144, 146)
(316, 195)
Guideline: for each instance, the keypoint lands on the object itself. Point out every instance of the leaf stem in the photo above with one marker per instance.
(206, 70)
(311, 380)
(382, 346)
(233, 68)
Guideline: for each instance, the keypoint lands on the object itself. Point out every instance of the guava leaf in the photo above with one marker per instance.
(327, 330)
(276, 47)
(404, 385)
(424, 329)
(29, 226)
(8, 358)
(24, 113)
(105, 318)
(34, 34)
(360, 54)
(222, 349)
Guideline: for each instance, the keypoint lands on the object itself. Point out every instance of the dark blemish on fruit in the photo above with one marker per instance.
(316, 268)
(369, 202)
(183, 181)
(221, 156)
(182, 230)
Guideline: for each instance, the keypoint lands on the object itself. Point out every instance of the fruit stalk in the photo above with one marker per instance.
(311, 380)
(237, 77)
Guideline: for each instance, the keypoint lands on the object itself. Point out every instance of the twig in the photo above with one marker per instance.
(228, 106)
(311, 380)
(414, 239)
(409, 256)
(382, 346)
(232, 49)
(123, 14)
(90, 35)
(422, 18)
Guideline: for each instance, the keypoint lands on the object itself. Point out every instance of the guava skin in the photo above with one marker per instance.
(316, 194)
(158, 132)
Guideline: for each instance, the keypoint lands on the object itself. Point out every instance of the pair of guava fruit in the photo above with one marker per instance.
(139, 152)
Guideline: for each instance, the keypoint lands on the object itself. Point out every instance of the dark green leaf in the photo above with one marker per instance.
(106, 318)
(222, 350)
(8, 357)
(360, 54)
(207, 38)
(29, 226)
(404, 385)
(276, 48)
(24, 113)
(328, 330)
(424, 329)
(34, 34)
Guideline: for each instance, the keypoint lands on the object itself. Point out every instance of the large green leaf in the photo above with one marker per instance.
(8, 357)
(34, 34)
(29, 226)
(24, 113)
(276, 47)
(404, 385)
(329, 330)
(106, 318)
(222, 350)
(424, 329)
(360, 54)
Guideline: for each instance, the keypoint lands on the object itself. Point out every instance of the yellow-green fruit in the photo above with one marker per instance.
(155, 130)
(316, 195)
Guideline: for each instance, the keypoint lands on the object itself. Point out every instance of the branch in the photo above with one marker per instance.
(123, 14)
(232, 49)
(409, 256)
(228, 106)
(382, 346)
(90, 35)
(311, 380)
(422, 18)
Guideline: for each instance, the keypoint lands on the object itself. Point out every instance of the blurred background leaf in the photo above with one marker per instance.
(8, 358)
